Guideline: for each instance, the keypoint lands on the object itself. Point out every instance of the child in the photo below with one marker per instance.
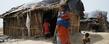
(46, 29)
(86, 39)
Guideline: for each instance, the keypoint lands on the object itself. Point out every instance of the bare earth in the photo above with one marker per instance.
(99, 37)
(96, 38)
(27, 42)
(102, 38)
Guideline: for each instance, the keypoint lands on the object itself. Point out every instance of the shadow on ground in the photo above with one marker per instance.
(95, 38)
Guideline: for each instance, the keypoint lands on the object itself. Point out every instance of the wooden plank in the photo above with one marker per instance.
(75, 22)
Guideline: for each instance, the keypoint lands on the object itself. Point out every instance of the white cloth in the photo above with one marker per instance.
(28, 24)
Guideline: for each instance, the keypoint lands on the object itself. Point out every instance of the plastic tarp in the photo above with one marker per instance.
(76, 5)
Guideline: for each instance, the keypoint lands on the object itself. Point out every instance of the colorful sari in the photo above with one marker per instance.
(62, 28)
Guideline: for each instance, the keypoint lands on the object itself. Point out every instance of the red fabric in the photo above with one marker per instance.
(66, 16)
(46, 27)
(63, 34)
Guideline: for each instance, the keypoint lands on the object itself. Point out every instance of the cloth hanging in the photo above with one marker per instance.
(28, 24)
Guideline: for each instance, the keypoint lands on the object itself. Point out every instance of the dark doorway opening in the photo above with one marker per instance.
(51, 16)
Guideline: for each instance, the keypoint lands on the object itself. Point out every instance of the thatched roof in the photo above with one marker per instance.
(43, 5)
(72, 5)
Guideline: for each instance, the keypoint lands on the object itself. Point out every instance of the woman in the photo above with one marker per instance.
(62, 27)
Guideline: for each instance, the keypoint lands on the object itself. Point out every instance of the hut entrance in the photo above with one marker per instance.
(51, 17)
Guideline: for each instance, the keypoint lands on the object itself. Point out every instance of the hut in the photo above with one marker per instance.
(27, 19)
(22, 21)
(94, 21)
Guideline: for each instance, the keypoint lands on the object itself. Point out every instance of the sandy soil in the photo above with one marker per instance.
(99, 37)
(27, 42)
(96, 38)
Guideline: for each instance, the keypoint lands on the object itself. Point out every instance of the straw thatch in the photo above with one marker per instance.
(27, 19)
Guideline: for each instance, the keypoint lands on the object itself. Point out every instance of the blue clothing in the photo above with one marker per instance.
(63, 22)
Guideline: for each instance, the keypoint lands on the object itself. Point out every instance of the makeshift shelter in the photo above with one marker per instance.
(23, 21)
(96, 20)
(27, 19)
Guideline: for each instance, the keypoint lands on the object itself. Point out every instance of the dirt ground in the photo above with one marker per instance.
(96, 38)
(99, 37)
(21, 41)
(102, 38)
